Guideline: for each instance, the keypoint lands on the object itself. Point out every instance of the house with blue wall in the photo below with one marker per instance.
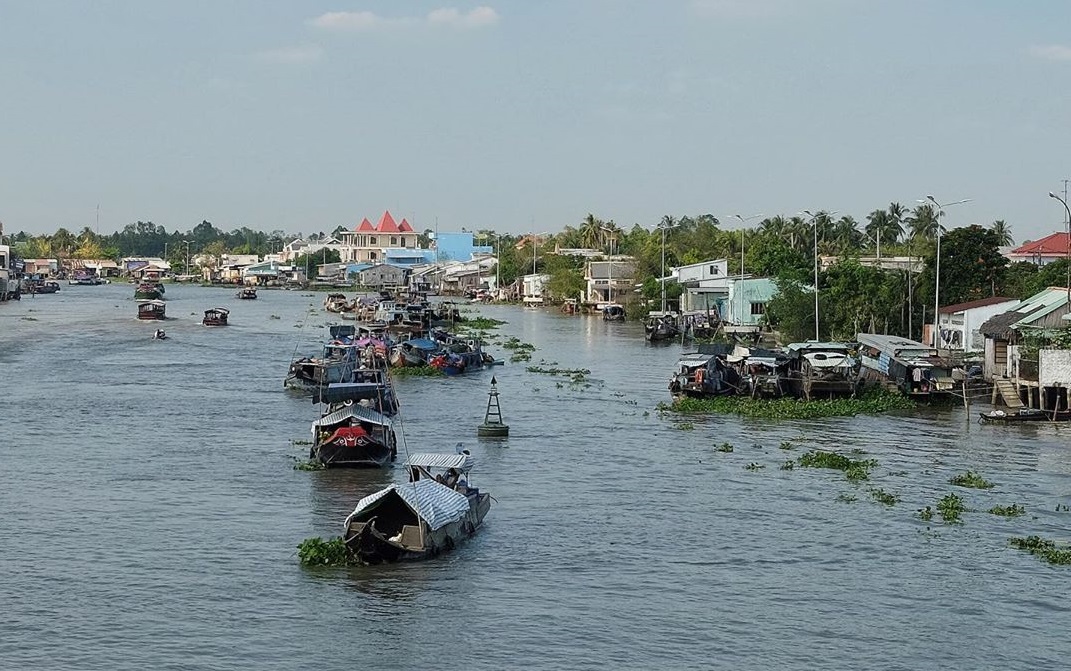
(457, 247)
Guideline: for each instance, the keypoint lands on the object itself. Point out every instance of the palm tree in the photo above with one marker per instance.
(1003, 233)
(897, 216)
(877, 223)
(923, 222)
(845, 235)
(590, 231)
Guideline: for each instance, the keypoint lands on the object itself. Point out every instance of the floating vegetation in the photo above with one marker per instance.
(685, 426)
(28, 319)
(1062, 508)
(417, 371)
(846, 498)
(479, 324)
(301, 442)
(951, 508)
(854, 469)
(786, 445)
(514, 343)
(309, 465)
(1043, 549)
(518, 357)
(788, 465)
(571, 372)
(1014, 510)
(274, 317)
(724, 447)
(754, 467)
(873, 402)
(884, 497)
(925, 514)
(316, 551)
(971, 479)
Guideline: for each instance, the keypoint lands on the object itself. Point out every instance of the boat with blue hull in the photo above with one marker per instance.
(457, 356)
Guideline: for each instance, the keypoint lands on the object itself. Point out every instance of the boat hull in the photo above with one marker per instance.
(363, 452)
(371, 547)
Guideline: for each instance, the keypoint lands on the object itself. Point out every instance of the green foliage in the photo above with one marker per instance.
(854, 469)
(951, 507)
(1014, 510)
(310, 261)
(685, 426)
(874, 401)
(1043, 549)
(971, 265)
(846, 498)
(724, 447)
(971, 479)
(925, 514)
(786, 445)
(316, 551)
(884, 497)
(788, 465)
(309, 465)
(479, 323)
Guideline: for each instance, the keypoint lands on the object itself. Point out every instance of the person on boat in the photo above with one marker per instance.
(159, 335)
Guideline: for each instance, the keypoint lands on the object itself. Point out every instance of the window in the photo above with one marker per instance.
(372, 240)
(758, 309)
(713, 270)
(393, 241)
(371, 256)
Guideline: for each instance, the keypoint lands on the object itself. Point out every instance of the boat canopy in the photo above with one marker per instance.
(342, 330)
(222, 311)
(435, 504)
(439, 460)
(154, 302)
(359, 411)
(350, 391)
(422, 343)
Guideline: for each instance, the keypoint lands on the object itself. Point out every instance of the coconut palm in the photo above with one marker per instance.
(1003, 232)
(591, 231)
(877, 223)
(897, 216)
(923, 222)
(844, 235)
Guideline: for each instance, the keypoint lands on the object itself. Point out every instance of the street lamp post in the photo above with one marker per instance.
(743, 222)
(814, 223)
(610, 265)
(187, 243)
(1067, 241)
(937, 266)
(662, 279)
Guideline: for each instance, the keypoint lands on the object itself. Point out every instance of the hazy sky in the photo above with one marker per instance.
(525, 115)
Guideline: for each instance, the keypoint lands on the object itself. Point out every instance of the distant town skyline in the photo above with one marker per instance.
(525, 116)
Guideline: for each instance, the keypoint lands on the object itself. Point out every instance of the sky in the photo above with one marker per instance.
(526, 115)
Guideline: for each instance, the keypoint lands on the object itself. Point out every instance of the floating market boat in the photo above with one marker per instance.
(613, 313)
(84, 278)
(763, 372)
(661, 327)
(458, 355)
(152, 310)
(148, 291)
(913, 368)
(351, 435)
(705, 374)
(822, 369)
(247, 293)
(216, 317)
(415, 352)
(430, 514)
(40, 286)
(336, 303)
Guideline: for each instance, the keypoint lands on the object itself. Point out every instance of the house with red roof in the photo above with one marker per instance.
(1046, 250)
(368, 242)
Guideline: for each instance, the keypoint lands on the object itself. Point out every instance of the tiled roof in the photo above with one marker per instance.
(970, 305)
(386, 224)
(404, 227)
(1050, 245)
(366, 226)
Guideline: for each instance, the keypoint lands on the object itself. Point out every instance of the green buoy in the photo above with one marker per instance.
(492, 419)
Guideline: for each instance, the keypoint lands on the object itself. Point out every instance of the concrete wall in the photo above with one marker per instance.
(742, 293)
(1055, 368)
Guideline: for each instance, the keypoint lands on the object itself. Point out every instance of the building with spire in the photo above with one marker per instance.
(374, 244)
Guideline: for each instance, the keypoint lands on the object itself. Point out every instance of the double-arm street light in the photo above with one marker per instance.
(814, 223)
(187, 243)
(930, 200)
(662, 279)
(1067, 241)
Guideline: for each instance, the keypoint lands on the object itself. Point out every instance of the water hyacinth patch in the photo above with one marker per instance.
(417, 371)
(316, 551)
(972, 480)
(724, 447)
(854, 469)
(884, 497)
(951, 508)
(873, 402)
(1044, 549)
(1014, 510)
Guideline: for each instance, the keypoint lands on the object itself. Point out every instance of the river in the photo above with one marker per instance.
(149, 513)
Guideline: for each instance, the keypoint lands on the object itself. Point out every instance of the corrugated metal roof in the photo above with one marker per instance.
(970, 305)
(439, 460)
(434, 503)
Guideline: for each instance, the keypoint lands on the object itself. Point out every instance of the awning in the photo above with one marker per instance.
(359, 411)
(436, 504)
(438, 460)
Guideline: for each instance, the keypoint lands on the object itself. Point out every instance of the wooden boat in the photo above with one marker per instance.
(661, 327)
(822, 369)
(763, 372)
(414, 352)
(216, 317)
(152, 310)
(430, 514)
(613, 313)
(39, 286)
(148, 291)
(84, 278)
(336, 303)
(914, 368)
(247, 293)
(1024, 415)
(705, 374)
(351, 435)
(457, 355)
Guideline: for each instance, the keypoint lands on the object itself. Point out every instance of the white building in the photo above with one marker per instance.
(369, 243)
(960, 324)
(533, 288)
